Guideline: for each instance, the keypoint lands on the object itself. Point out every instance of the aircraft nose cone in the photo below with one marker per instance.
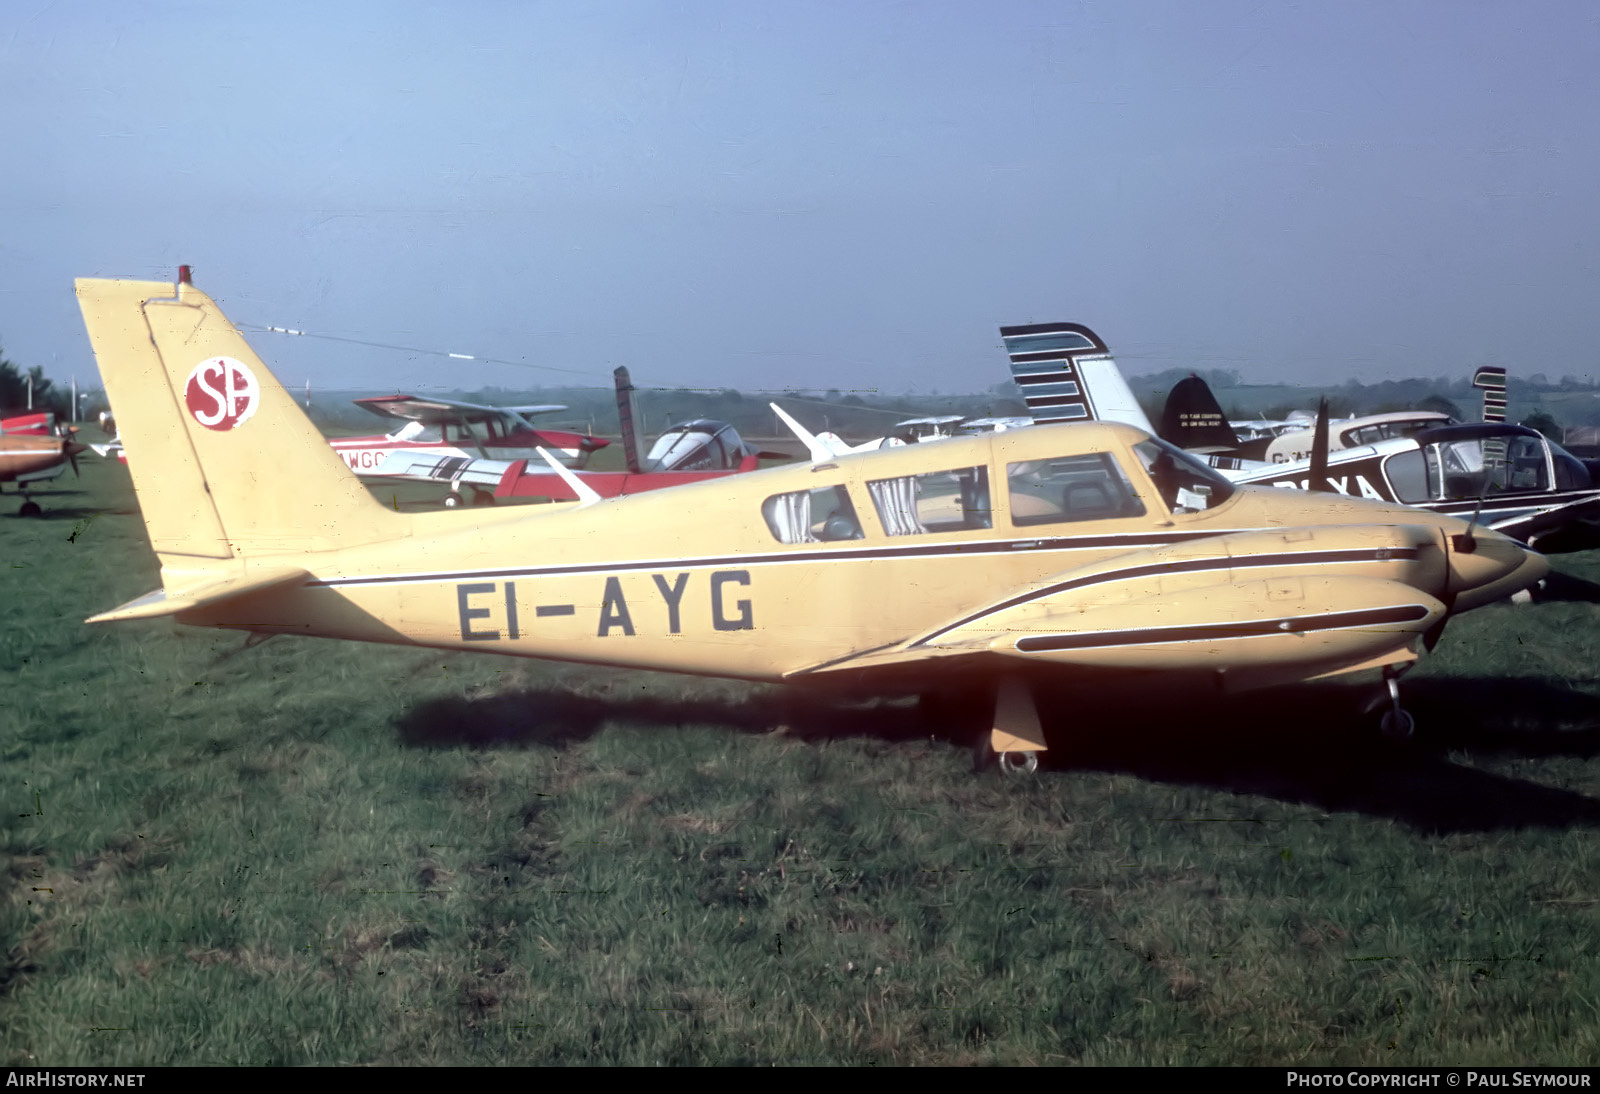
(1485, 566)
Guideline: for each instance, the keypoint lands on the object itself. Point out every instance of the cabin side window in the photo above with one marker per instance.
(1092, 486)
(823, 515)
(942, 501)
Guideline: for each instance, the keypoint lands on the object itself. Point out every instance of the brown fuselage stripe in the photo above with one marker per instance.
(1209, 632)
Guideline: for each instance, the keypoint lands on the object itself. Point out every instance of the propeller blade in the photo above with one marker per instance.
(1319, 451)
(625, 415)
(1430, 639)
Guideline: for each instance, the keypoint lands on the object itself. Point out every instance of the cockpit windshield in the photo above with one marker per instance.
(1185, 484)
(1471, 467)
(697, 446)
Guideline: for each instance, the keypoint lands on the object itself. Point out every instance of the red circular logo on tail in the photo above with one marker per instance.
(221, 393)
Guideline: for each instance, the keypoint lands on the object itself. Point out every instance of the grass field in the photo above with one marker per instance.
(310, 852)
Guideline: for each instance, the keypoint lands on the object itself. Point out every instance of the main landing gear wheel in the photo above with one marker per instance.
(29, 509)
(1015, 738)
(1019, 763)
(453, 500)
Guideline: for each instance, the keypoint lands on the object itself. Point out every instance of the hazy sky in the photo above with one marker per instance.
(851, 195)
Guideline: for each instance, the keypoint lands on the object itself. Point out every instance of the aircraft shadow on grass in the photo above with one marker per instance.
(1309, 746)
(1305, 745)
(1560, 586)
(10, 503)
(72, 513)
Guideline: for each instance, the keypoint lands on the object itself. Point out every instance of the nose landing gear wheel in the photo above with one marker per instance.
(1397, 724)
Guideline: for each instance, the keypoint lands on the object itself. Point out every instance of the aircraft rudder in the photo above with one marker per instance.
(1067, 374)
(178, 509)
(213, 415)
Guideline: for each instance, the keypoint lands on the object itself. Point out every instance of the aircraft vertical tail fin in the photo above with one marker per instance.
(625, 415)
(1193, 419)
(1067, 375)
(1492, 379)
(224, 461)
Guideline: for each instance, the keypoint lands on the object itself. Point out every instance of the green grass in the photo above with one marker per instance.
(326, 853)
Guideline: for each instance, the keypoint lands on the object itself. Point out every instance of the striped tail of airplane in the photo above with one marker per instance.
(1067, 375)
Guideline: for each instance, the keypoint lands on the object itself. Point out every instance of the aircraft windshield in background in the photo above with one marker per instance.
(1093, 555)
(685, 453)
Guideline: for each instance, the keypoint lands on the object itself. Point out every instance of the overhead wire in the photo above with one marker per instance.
(258, 328)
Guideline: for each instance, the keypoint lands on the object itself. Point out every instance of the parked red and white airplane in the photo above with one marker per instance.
(463, 444)
(30, 457)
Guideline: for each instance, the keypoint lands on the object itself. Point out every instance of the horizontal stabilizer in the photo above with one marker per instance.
(201, 595)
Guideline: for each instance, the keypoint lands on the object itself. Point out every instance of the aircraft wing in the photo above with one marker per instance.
(421, 465)
(1173, 608)
(443, 411)
(519, 481)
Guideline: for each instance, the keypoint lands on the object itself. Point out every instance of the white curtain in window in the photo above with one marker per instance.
(896, 500)
(789, 517)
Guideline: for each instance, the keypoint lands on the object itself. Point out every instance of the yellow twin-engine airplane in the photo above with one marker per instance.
(1092, 552)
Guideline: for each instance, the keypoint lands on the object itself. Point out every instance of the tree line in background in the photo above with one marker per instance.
(14, 384)
(861, 414)
(1535, 400)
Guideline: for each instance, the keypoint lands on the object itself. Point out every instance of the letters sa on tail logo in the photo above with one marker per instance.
(221, 393)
